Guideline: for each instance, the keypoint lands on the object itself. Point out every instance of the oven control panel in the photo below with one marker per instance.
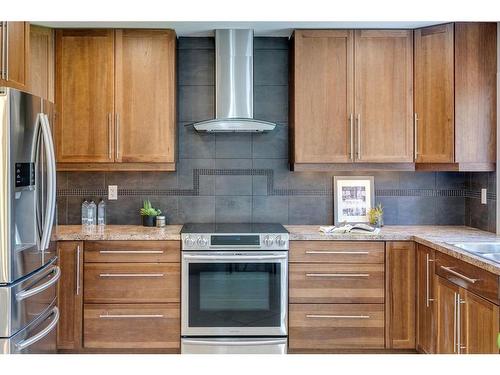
(207, 241)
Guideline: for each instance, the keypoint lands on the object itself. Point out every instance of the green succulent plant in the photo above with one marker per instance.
(148, 210)
(375, 213)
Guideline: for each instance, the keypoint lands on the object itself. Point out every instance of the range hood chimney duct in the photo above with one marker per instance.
(234, 85)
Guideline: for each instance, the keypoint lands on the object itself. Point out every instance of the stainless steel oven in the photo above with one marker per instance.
(234, 291)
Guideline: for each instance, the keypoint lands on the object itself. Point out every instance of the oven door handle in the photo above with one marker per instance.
(234, 343)
(233, 257)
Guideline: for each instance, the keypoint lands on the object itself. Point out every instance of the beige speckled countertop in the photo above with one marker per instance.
(434, 236)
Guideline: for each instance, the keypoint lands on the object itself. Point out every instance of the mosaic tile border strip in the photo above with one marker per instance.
(271, 190)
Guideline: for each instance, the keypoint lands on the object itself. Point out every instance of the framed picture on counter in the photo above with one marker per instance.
(353, 196)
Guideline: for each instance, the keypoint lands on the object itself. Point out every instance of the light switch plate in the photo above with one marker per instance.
(112, 192)
(484, 193)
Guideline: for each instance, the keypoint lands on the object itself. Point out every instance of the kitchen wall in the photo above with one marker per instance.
(478, 215)
(245, 177)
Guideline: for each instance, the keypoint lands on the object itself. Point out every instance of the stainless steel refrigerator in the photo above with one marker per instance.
(28, 269)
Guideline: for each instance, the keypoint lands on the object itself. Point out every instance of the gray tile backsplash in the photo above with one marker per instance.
(245, 177)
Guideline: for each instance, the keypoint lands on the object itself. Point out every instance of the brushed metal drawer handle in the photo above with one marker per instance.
(463, 277)
(338, 316)
(337, 274)
(131, 252)
(131, 316)
(337, 252)
(131, 275)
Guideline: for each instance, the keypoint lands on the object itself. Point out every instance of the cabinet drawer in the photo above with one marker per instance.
(336, 252)
(336, 283)
(132, 251)
(131, 282)
(333, 326)
(132, 326)
(468, 276)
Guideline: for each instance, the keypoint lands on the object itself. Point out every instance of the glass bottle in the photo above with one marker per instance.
(101, 212)
(85, 212)
(92, 213)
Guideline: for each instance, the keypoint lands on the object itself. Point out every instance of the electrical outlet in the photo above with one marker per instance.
(484, 198)
(112, 192)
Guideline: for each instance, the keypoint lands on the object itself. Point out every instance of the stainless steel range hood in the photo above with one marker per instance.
(234, 85)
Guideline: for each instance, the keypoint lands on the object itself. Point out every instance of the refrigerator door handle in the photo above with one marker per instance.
(35, 152)
(40, 335)
(51, 181)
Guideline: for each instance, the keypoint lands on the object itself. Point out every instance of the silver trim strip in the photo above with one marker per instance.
(339, 316)
(130, 316)
(234, 343)
(338, 252)
(233, 257)
(131, 275)
(131, 251)
(337, 274)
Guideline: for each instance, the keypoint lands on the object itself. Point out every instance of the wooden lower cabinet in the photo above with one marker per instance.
(132, 326)
(400, 295)
(336, 326)
(425, 325)
(70, 295)
(132, 282)
(336, 283)
(466, 323)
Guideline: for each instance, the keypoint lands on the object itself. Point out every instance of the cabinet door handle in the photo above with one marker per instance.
(110, 130)
(117, 136)
(359, 136)
(131, 275)
(460, 301)
(455, 320)
(337, 274)
(313, 316)
(457, 274)
(6, 69)
(78, 270)
(4, 42)
(427, 285)
(130, 316)
(415, 126)
(351, 123)
(337, 252)
(131, 251)
(1, 51)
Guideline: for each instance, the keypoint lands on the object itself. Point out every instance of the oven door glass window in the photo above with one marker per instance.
(234, 294)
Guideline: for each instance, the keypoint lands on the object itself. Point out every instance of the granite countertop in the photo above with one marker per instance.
(117, 233)
(434, 236)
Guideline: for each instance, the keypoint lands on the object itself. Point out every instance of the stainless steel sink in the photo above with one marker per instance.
(487, 250)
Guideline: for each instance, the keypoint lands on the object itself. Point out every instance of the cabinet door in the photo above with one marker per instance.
(84, 95)
(426, 340)
(479, 325)
(400, 295)
(384, 95)
(322, 101)
(434, 94)
(70, 295)
(15, 48)
(446, 316)
(42, 62)
(145, 96)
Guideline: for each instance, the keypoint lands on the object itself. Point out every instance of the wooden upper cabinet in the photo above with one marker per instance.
(42, 62)
(15, 43)
(322, 95)
(145, 96)
(84, 95)
(455, 96)
(475, 92)
(434, 94)
(384, 95)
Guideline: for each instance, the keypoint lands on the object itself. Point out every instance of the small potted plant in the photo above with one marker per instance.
(375, 216)
(149, 214)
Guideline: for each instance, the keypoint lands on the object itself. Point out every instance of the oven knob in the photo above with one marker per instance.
(202, 241)
(280, 241)
(268, 241)
(189, 241)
